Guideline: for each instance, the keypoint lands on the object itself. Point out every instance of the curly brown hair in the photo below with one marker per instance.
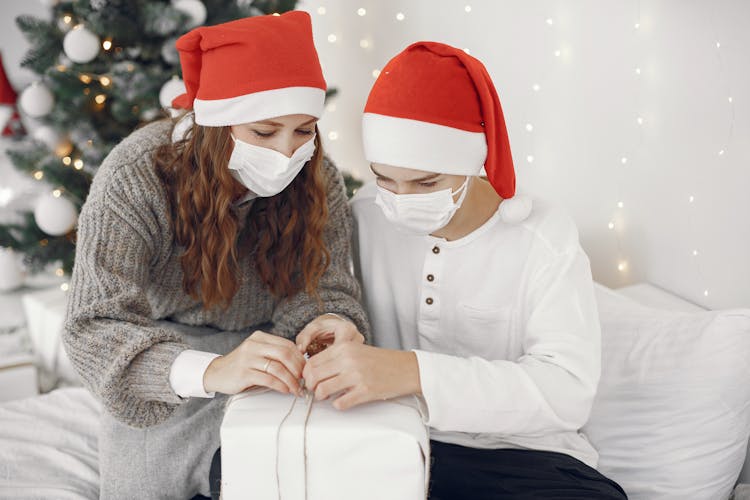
(284, 232)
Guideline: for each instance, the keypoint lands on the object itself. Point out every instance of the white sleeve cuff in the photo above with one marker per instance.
(186, 373)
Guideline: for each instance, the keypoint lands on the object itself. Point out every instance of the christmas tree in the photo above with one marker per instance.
(105, 67)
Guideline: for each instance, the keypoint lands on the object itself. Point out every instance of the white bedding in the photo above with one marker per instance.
(48, 446)
(48, 443)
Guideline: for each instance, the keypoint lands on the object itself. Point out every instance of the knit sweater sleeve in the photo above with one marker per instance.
(338, 289)
(110, 335)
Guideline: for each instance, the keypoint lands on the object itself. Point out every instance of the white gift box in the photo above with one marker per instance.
(45, 314)
(18, 378)
(275, 446)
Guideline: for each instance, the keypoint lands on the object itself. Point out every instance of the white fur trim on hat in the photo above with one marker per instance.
(516, 209)
(260, 106)
(401, 142)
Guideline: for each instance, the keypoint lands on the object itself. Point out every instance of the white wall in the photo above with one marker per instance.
(584, 119)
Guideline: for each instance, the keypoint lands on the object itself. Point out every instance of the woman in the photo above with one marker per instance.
(233, 228)
(479, 304)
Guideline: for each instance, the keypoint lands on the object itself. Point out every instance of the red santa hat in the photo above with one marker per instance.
(251, 69)
(434, 108)
(10, 121)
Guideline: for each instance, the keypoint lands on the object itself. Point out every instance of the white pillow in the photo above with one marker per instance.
(671, 418)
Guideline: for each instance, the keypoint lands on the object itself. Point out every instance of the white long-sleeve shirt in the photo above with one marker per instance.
(503, 322)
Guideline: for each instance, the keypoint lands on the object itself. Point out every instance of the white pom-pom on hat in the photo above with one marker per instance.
(516, 209)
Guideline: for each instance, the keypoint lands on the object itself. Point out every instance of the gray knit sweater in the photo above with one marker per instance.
(127, 277)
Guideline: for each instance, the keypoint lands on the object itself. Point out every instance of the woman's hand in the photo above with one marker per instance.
(330, 329)
(244, 366)
(366, 373)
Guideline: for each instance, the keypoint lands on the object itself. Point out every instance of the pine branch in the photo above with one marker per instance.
(46, 43)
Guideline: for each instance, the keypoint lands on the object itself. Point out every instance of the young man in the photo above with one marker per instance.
(479, 303)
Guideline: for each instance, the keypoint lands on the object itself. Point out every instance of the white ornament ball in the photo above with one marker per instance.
(171, 89)
(47, 136)
(55, 215)
(36, 100)
(195, 10)
(11, 272)
(81, 45)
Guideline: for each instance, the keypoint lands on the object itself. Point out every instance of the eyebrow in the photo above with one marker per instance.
(419, 179)
(277, 124)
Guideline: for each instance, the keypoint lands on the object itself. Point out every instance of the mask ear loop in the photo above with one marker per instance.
(463, 189)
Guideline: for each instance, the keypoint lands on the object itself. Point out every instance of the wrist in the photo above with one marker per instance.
(411, 373)
(208, 375)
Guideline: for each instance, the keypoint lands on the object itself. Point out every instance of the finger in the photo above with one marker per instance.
(269, 338)
(314, 375)
(255, 378)
(350, 399)
(279, 371)
(287, 355)
(350, 334)
(332, 385)
(309, 333)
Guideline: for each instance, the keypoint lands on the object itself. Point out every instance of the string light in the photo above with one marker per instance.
(107, 44)
(550, 21)
(364, 43)
(59, 272)
(530, 159)
(64, 287)
(467, 8)
(78, 164)
(400, 16)
(38, 175)
(85, 78)
(333, 135)
(375, 73)
(611, 225)
(67, 18)
(529, 127)
(56, 193)
(361, 12)
(535, 87)
(332, 38)
(322, 11)
(105, 81)
(622, 266)
(100, 98)
(67, 160)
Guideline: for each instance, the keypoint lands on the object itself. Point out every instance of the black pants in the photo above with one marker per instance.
(460, 473)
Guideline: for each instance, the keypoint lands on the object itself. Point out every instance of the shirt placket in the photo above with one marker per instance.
(430, 296)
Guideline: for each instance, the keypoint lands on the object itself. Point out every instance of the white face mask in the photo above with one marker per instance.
(264, 171)
(421, 213)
